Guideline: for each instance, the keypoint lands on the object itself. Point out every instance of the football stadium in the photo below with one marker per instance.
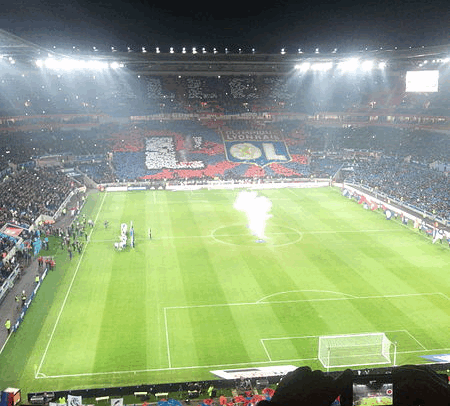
(178, 220)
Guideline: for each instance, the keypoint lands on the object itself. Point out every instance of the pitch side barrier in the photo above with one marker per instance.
(9, 283)
(64, 204)
(193, 390)
(217, 185)
(396, 206)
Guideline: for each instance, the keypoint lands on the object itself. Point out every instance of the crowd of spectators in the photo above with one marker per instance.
(194, 150)
(425, 189)
(25, 195)
(28, 193)
(124, 96)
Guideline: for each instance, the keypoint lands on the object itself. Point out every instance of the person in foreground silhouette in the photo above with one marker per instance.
(413, 386)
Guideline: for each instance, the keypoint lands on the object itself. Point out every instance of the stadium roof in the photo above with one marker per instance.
(206, 63)
(13, 46)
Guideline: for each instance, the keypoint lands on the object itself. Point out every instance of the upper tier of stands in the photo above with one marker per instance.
(122, 94)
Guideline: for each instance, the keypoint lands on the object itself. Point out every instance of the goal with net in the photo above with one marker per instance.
(355, 350)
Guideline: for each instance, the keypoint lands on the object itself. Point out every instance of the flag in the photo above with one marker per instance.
(117, 402)
(74, 400)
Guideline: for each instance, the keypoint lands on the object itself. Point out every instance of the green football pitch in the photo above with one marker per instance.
(202, 294)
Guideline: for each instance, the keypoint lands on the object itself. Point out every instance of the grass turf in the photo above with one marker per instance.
(202, 294)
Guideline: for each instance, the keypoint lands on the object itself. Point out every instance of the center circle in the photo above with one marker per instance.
(240, 235)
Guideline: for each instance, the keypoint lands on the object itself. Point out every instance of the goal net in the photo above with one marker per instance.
(354, 350)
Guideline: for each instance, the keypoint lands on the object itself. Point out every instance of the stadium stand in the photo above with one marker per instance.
(55, 134)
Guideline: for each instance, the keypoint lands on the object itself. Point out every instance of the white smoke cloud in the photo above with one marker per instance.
(257, 209)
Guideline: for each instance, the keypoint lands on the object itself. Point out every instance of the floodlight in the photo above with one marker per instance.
(157, 50)
(144, 50)
(183, 51)
(194, 50)
(322, 66)
(348, 65)
(39, 63)
(98, 65)
(50, 63)
(367, 65)
(316, 51)
(382, 65)
(283, 51)
(171, 50)
(114, 65)
(303, 67)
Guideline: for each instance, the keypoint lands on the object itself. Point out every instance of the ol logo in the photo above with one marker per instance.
(254, 152)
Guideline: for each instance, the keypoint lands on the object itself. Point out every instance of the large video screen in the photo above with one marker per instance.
(424, 81)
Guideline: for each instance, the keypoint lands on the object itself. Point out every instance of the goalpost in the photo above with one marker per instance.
(355, 350)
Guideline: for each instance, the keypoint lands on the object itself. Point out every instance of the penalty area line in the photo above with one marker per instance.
(349, 297)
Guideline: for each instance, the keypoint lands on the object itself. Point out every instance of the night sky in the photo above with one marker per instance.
(265, 26)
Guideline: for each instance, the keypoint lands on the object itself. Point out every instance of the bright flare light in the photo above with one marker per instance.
(257, 209)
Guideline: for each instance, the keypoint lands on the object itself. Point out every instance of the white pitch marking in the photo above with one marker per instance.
(269, 234)
(316, 336)
(303, 300)
(415, 339)
(265, 349)
(294, 291)
(4, 344)
(68, 292)
(443, 294)
(181, 368)
(167, 338)
(226, 365)
(287, 338)
(214, 366)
